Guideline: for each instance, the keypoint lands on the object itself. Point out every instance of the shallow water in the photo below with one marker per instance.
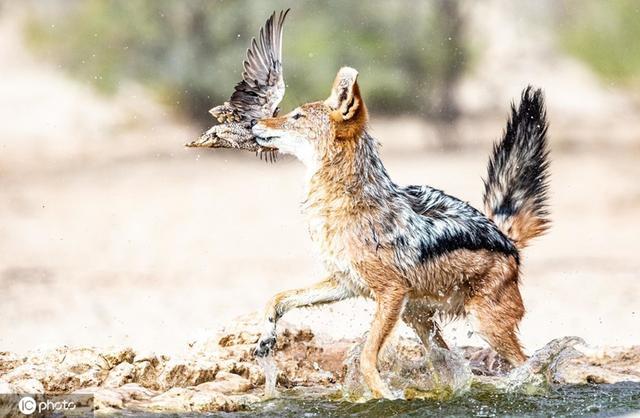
(441, 383)
(564, 401)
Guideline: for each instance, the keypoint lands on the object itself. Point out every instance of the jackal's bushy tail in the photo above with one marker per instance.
(515, 191)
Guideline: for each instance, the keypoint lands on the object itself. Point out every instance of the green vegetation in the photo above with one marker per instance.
(606, 36)
(190, 52)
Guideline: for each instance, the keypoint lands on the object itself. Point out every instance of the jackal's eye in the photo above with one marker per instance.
(297, 116)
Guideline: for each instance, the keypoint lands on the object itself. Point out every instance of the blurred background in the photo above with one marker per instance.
(112, 233)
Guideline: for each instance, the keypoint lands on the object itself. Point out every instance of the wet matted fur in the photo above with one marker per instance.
(414, 250)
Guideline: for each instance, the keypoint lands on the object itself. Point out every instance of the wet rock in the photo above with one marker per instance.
(81, 360)
(91, 377)
(61, 370)
(205, 401)
(52, 378)
(186, 372)
(115, 356)
(301, 361)
(188, 399)
(6, 387)
(28, 386)
(236, 353)
(9, 361)
(133, 391)
(227, 383)
(173, 400)
(248, 370)
(149, 357)
(241, 338)
(110, 400)
(220, 374)
(107, 400)
(146, 374)
(121, 374)
(63, 381)
(243, 331)
(605, 365)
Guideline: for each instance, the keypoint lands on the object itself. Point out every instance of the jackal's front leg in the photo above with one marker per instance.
(326, 291)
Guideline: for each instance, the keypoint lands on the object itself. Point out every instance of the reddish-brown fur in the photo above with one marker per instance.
(480, 283)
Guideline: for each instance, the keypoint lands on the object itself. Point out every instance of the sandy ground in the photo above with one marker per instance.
(111, 232)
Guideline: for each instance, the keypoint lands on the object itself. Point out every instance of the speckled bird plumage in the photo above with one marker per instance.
(255, 97)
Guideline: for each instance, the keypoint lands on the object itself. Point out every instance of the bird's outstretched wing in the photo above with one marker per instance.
(262, 87)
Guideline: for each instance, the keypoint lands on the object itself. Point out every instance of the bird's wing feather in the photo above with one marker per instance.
(262, 87)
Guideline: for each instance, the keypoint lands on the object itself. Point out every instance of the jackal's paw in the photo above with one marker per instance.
(264, 346)
(383, 393)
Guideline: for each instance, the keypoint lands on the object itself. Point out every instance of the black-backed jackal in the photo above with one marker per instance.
(414, 250)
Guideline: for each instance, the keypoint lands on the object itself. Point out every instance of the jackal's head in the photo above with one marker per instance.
(318, 130)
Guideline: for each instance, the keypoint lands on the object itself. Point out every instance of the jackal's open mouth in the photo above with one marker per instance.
(265, 140)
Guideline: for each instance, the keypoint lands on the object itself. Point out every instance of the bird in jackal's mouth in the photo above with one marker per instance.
(255, 97)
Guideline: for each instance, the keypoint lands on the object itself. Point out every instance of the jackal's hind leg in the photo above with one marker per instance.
(498, 316)
(326, 291)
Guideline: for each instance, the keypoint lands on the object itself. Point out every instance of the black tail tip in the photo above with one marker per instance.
(532, 94)
(532, 103)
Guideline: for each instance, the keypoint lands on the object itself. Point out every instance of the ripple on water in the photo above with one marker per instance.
(479, 400)
(442, 384)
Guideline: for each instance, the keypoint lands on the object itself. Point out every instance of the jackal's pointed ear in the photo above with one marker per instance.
(345, 99)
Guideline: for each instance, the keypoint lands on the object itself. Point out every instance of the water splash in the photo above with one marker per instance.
(270, 369)
(543, 368)
(410, 372)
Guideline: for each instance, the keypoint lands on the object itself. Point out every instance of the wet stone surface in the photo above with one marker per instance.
(220, 373)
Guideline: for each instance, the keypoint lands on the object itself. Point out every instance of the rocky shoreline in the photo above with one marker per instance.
(220, 374)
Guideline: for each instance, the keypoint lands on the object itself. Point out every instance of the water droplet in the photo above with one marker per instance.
(270, 369)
